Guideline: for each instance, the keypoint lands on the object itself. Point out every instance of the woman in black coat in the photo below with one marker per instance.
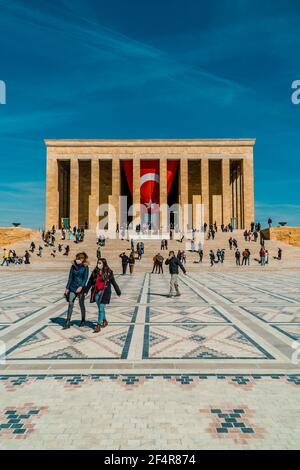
(100, 284)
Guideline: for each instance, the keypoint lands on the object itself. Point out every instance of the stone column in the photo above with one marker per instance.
(52, 194)
(94, 196)
(248, 192)
(163, 193)
(197, 215)
(74, 191)
(226, 191)
(205, 188)
(239, 195)
(136, 191)
(114, 200)
(184, 193)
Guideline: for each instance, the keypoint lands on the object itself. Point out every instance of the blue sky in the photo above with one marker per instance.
(149, 69)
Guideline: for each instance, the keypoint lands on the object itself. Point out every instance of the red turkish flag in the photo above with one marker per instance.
(172, 166)
(128, 168)
(149, 182)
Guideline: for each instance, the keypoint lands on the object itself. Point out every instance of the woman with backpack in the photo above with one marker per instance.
(100, 284)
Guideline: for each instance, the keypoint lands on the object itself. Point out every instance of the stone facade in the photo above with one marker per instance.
(290, 235)
(215, 173)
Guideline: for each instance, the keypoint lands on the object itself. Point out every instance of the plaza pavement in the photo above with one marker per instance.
(212, 369)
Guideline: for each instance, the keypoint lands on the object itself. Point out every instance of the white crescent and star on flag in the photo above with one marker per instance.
(149, 177)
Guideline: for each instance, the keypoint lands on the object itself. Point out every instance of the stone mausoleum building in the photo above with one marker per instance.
(83, 174)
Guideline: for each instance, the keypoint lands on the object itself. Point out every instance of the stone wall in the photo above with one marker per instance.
(8, 236)
(290, 235)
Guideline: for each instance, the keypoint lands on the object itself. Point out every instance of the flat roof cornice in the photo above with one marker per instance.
(150, 142)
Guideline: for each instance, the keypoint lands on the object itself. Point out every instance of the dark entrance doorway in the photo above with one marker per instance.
(125, 219)
(173, 201)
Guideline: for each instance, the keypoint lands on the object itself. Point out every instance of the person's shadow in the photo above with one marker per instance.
(60, 321)
(159, 295)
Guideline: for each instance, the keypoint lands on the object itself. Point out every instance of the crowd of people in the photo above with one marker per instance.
(80, 282)
(58, 241)
(10, 257)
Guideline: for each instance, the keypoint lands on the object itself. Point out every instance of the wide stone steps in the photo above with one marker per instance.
(113, 248)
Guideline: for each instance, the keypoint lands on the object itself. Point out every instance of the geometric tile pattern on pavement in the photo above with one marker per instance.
(51, 342)
(209, 369)
(291, 331)
(212, 320)
(196, 341)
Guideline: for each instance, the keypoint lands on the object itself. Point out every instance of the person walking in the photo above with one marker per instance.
(248, 256)
(245, 255)
(154, 268)
(5, 257)
(67, 250)
(131, 262)
(159, 263)
(179, 255)
(100, 283)
(98, 252)
(211, 258)
(237, 258)
(200, 251)
(270, 222)
(139, 251)
(266, 257)
(77, 280)
(262, 255)
(124, 262)
(174, 264)
(27, 257)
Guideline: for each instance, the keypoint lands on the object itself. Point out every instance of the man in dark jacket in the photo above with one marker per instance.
(173, 262)
(125, 261)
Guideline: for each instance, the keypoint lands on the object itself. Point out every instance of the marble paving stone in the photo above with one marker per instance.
(232, 327)
(292, 331)
(185, 313)
(52, 342)
(276, 313)
(196, 341)
(166, 412)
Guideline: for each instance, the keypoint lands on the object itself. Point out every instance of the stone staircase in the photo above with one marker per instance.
(112, 249)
